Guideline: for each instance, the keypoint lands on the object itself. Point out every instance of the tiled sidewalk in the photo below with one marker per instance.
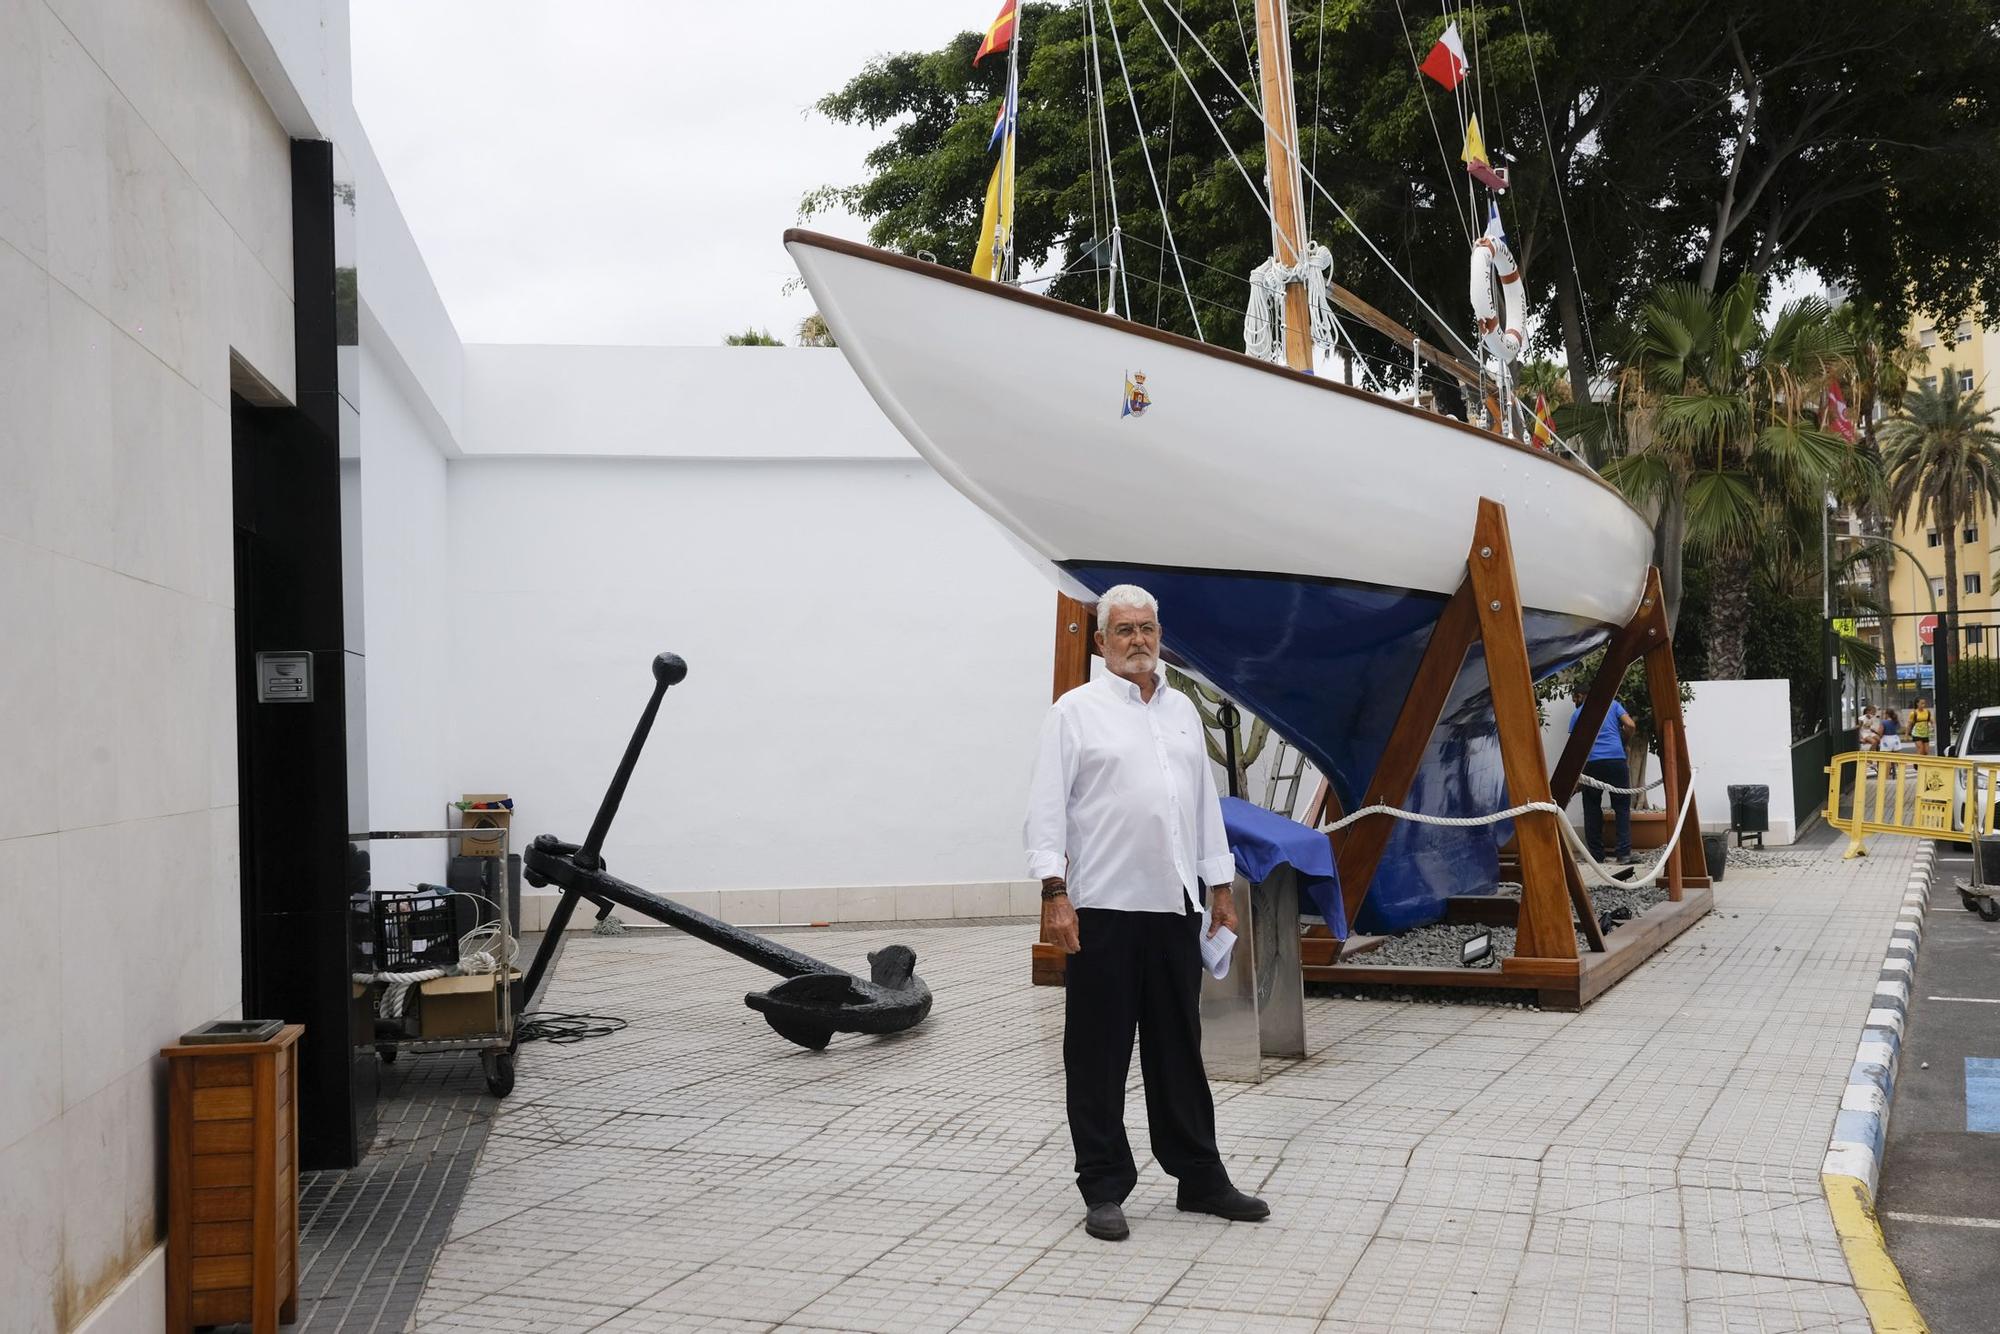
(1651, 1164)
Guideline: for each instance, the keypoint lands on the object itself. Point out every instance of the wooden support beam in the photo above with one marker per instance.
(1647, 630)
(1545, 931)
(1358, 854)
(1076, 623)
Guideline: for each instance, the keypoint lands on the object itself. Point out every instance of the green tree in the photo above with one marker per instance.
(1942, 455)
(1722, 440)
(751, 337)
(814, 333)
(1613, 119)
(1880, 363)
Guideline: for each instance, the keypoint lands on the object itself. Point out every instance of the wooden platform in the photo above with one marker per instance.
(1588, 977)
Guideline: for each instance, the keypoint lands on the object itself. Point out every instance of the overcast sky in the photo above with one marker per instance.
(620, 171)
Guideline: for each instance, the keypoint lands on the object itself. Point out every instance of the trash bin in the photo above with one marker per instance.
(1749, 810)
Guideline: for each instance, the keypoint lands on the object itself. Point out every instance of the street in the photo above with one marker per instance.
(1940, 1190)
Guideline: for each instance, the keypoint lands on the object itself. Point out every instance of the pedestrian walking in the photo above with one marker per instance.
(1922, 725)
(1606, 763)
(1124, 829)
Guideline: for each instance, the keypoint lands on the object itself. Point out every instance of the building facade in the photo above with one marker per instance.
(1916, 580)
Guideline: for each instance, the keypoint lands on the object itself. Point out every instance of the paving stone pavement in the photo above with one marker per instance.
(1649, 1165)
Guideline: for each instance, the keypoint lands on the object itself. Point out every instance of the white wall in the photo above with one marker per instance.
(145, 232)
(781, 403)
(1738, 732)
(868, 660)
(406, 572)
(1741, 732)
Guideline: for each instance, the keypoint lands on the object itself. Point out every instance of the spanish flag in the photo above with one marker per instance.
(999, 35)
(1543, 434)
(997, 219)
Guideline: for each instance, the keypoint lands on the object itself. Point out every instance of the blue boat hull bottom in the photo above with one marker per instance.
(1327, 664)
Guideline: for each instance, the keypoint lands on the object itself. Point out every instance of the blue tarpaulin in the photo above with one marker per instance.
(1262, 841)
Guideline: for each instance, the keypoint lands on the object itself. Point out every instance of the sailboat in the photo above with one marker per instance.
(1302, 535)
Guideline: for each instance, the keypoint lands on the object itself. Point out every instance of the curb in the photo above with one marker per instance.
(1853, 1164)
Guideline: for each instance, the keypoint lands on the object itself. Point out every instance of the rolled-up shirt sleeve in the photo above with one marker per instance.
(1045, 833)
(1213, 861)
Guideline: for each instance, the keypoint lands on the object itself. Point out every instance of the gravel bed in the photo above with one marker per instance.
(1438, 946)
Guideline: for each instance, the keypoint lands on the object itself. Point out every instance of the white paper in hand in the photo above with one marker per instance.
(1216, 949)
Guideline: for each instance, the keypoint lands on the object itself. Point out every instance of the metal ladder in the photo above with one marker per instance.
(1288, 767)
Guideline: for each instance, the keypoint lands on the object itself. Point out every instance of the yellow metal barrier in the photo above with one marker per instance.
(1890, 792)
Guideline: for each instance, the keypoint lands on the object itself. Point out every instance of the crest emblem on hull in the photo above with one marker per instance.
(1137, 400)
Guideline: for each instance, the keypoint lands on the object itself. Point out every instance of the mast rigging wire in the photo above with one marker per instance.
(1110, 179)
(1139, 128)
(1562, 204)
(1437, 134)
(1443, 324)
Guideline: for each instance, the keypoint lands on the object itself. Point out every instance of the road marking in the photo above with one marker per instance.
(1942, 1219)
(1965, 1000)
(1982, 1094)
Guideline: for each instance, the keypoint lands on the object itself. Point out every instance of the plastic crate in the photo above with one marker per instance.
(415, 929)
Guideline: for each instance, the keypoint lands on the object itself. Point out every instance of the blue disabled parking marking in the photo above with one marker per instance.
(1982, 1094)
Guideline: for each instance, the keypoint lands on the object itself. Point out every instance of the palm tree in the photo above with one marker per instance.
(1943, 459)
(1719, 414)
(1882, 360)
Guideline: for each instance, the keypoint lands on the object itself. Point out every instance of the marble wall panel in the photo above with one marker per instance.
(29, 669)
(30, 986)
(31, 1235)
(72, 480)
(24, 373)
(24, 218)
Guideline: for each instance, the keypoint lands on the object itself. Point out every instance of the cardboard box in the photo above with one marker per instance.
(458, 1007)
(494, 825)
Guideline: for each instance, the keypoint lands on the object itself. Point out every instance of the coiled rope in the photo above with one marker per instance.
(481, 950)
(1264, 316)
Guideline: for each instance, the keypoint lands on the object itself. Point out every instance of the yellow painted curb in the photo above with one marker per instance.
(1890, 1309)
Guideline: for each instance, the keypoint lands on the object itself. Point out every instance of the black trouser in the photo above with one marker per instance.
(1137, 970)
(1615, 773)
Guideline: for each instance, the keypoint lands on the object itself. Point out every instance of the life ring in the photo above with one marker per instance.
(1492, 259)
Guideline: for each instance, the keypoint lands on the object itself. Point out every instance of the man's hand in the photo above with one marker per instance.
(1221, 909)
(1059, 925)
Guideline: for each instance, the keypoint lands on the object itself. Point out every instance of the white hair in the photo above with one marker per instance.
(1125, 595)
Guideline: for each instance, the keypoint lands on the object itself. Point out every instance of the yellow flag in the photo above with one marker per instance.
(1475, 147)
(997, 219)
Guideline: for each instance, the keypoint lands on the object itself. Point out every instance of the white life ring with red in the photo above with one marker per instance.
(1491, 259)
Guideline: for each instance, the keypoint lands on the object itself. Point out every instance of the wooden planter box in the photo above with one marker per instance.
(232, 1183)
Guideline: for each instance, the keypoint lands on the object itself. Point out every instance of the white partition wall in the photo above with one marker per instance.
(1738, 732)
(868, 655)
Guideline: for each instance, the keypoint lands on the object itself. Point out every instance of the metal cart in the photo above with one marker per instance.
(496, 1049)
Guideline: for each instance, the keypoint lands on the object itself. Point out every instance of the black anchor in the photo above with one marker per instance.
(815, 1001)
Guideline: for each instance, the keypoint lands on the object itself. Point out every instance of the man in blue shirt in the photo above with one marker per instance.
(1607, 765)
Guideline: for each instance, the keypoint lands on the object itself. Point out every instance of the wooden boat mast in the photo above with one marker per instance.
(1281, 137)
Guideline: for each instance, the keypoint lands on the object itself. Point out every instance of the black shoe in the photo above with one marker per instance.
(1228, 1202)
(1106, 1222)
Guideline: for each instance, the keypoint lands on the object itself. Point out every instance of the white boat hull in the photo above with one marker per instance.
(1301, 535)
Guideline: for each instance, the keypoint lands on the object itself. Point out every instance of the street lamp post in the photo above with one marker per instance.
(1940, 687)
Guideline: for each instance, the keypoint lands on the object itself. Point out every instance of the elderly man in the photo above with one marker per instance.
(1123, 830)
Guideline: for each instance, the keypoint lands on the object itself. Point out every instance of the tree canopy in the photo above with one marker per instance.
(1694, 140)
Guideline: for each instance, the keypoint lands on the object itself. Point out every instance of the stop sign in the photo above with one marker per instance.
(1926, 629)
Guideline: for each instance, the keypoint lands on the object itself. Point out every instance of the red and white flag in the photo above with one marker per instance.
(1446, 62)
(1836, 415)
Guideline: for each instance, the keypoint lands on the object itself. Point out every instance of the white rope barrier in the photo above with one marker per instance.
(1575, 840)
(1603, 786)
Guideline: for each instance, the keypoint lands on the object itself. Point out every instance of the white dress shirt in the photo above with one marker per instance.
(1122, 804)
